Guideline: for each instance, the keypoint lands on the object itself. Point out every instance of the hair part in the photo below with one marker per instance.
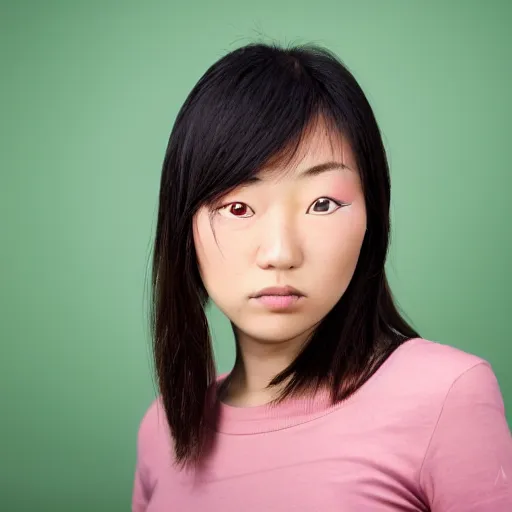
(251, 109)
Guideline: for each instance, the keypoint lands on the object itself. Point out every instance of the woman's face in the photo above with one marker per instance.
(297, 229)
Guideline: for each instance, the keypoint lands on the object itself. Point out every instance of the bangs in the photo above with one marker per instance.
(296, 149)
(246, 114)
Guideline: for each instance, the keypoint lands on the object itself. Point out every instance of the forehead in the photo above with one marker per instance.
(319, 144)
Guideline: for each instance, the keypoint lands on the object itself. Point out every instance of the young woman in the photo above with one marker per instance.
(274, 204)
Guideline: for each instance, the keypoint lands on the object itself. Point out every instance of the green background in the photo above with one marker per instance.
(89, 94)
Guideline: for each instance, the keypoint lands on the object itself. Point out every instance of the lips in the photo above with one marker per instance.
(276, 291)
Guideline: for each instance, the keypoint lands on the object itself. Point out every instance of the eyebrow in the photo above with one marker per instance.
(327, 166)
(312, 171)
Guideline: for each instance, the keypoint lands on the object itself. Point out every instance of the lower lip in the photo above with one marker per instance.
(278, 301)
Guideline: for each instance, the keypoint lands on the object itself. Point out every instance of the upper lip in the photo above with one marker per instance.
(278, 290)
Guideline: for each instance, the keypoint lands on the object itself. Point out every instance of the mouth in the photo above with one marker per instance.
(278, 298)
(278, 291)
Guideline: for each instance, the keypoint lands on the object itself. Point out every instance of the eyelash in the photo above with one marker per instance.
(337, 203)
(226, 206)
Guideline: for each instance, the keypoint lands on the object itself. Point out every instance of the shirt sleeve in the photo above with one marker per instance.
(140, 494)
(468, 463)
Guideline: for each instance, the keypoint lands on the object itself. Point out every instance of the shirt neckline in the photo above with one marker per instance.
(295, 410)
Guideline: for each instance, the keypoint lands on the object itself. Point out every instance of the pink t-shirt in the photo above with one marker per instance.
(426, 433)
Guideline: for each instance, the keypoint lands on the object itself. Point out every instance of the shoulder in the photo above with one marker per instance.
(153, 437)
(454, 376)
(432, 367)
(420, 375)
(154, 422)
(469, 447)
(419, 351)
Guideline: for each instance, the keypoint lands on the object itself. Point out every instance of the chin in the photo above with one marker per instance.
(276, 330)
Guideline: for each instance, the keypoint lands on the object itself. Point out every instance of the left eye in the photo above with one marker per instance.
(323, 206)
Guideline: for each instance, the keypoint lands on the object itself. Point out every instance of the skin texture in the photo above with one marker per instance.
(290, 228)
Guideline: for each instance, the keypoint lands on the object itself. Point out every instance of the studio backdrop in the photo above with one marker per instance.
(90, 91)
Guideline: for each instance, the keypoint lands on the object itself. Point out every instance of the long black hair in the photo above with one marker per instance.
(248, 108)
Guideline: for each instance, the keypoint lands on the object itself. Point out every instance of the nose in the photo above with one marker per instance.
(279, 245)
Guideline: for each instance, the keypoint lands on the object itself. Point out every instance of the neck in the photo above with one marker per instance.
(257, 363)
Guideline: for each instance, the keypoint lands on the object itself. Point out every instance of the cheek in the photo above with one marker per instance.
(220, 251)
(205, 246)
(334, 246)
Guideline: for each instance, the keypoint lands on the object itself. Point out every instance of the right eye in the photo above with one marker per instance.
(236, 209)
